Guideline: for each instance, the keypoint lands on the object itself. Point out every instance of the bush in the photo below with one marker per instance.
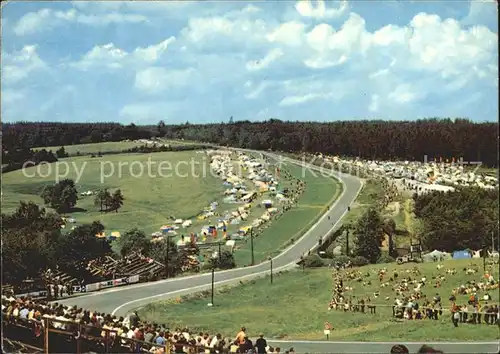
(342, 259)
(359, 261)
(385, 258)
(314, 261)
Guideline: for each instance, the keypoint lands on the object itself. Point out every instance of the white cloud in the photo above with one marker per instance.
(10, 96)
(403, 94)
(322, 63)
(156, 79)
(34, 22)
(300, 99)
(311, 89)
(374, 103)
(160, 8)
(306, 9)
(203, 30)
(109, 56)
(289, 33)
(256, 92)
(482, 12)
(381, 72)
(18, 65)
(274, 60)
(270, 57)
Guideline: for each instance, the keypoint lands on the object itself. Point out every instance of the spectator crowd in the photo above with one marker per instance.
(25, 319)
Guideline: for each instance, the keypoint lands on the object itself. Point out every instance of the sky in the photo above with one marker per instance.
(198, 62)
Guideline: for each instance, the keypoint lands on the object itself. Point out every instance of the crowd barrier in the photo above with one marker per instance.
(89, 287)
(111, 283)
(73, 338)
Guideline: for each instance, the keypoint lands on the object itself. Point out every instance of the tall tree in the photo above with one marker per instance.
(30, 240)
(369, 235)
(161, 128)
(62, 196)
(103, 199)
(81, 246)
(116, 200)
(134, 240)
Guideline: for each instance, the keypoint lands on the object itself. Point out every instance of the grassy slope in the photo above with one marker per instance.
(295, 306)
(148, 201)
(111, 146)
(319, 193)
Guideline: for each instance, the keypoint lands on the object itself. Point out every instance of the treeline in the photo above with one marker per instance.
(384, 140)
(30, 135)
(462, 219)
(16, 159)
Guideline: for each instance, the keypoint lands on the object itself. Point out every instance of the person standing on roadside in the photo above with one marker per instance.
(261, 344)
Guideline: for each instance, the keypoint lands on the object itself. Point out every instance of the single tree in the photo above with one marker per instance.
(116, 200)
(369, 235)
(103, 200)
(62, 196)
(134, 240)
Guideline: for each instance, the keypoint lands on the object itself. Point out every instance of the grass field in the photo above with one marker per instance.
(320, 192)
(295, 307)
(112, 146)
(149, 201)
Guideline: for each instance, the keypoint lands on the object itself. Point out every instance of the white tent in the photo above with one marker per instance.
(438, 255)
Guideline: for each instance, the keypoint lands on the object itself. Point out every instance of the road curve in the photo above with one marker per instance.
(122, 300)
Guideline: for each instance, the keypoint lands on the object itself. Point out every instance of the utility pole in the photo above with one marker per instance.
(213, 277)
(271, 262)
(347, 241)
(220, 256)
(251, 245)
(166, 258)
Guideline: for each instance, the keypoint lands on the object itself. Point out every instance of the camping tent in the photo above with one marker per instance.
(463, 254)
(435, 256)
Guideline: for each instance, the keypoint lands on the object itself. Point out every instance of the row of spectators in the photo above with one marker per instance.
(98, 332)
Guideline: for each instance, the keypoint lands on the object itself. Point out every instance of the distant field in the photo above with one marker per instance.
(149, 202)
(105, 147)
(320, 192)
(92, 148)
(295, 307)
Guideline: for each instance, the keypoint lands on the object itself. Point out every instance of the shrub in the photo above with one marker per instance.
(342, 259)
(314, 261)
(359, 261)
(385, 258)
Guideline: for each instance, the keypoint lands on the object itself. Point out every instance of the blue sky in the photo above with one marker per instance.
(142, 62)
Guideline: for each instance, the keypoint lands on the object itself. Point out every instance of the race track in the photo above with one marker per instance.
(121, 301)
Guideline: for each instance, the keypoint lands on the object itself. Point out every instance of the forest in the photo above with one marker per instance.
(382, 140)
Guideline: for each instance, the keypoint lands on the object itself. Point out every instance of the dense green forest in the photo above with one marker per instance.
(408, 140)
(465, 218)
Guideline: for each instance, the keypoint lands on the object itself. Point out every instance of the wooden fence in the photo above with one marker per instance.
(71, 337)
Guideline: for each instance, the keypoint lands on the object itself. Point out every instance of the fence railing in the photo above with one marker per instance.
(61, 336)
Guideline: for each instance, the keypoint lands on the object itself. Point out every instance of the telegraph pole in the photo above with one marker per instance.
(251, 245)
(166, 258)
(213, 277)
(347, 241)
(271, 262)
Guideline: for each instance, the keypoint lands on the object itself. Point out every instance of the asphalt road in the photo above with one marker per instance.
(121, 301)
(384, 347)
